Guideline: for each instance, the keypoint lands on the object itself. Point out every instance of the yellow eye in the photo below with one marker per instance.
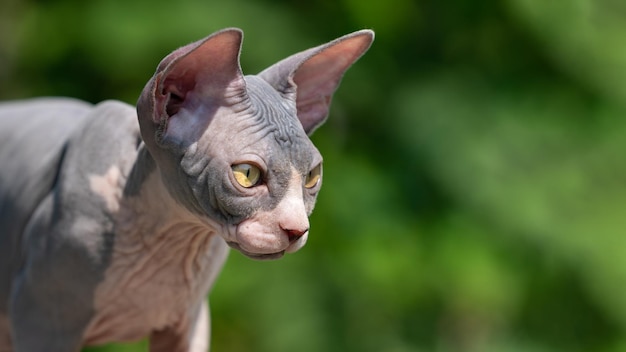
(246, 175)
(313, 177)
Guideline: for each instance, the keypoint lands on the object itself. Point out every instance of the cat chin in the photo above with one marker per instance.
(256, 256)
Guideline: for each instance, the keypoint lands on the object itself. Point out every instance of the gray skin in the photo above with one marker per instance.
(115, 222)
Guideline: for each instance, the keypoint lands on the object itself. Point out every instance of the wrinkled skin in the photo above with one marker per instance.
(115, 221)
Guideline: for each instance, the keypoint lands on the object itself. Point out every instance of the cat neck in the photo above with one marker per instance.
(147, 211)
(163, 257)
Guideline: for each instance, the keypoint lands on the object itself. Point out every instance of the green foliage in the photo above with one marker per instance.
(474, 188)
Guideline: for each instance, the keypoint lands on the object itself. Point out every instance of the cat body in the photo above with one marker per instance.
(115, 220)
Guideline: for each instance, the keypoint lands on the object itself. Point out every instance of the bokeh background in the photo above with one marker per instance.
(475, 165)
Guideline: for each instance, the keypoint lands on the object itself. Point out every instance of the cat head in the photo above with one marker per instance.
(235, 149)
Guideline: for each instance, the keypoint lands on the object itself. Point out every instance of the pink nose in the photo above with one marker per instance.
(294, 235)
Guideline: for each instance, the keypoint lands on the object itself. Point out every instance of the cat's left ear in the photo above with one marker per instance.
(202, 75)
(312, 76)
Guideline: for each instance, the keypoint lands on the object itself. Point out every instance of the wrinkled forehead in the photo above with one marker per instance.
(275, 117)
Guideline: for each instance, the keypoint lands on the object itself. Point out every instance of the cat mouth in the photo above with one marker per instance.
(256, 256)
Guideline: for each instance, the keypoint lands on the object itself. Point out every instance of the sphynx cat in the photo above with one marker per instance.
(115, 221)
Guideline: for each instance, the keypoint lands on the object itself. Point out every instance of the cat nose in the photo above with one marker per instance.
(294, 234)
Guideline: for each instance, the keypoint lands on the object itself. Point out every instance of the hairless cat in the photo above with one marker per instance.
(115, 221)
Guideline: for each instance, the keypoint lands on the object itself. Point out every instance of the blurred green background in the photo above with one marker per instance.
(474, 195)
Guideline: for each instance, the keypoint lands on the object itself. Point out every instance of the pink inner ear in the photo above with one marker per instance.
(205, 68)
(317, 80)
(319, 76)
(175, 91)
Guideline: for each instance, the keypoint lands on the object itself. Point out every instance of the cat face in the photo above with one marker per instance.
(234, 149)
(262, 174)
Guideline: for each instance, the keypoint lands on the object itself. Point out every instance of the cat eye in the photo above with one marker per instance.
(313, 177)
(246, 175)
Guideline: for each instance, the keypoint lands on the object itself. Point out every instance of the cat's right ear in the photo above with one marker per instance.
(312, 76)
(202, 74)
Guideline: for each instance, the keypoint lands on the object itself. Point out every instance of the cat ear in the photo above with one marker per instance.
(312, 76)
(203, 73)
